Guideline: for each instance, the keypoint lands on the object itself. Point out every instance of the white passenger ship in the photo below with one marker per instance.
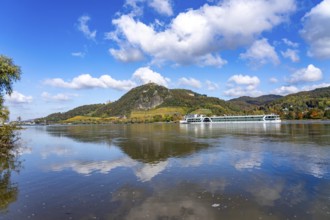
(200, 119)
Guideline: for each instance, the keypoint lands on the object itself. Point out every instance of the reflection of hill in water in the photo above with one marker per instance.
(85, 133)
(158, 142)
(143, 142)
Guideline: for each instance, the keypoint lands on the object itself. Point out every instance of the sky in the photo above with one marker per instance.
(80, 52)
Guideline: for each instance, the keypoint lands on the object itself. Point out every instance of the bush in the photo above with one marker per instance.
(327, 114)
(8, 136)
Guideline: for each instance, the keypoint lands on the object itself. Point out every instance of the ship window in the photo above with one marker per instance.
(206, 120)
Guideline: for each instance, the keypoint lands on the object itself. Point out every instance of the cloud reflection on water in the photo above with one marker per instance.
(191, 172)
(144, 172)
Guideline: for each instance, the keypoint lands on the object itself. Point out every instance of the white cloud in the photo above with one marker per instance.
(260, 53)
(211, 86)
(312, 87)
(86, 81)
(309, 74)
(146, 75)
(291, 54)
(252, 81)
(316, 30)
(78, 54)
(83, 27)
(127, 54)
(273, 80)
(290, 43)
(18, 98)
(136, 10)
(58, 97)
(211, 60)
(285, 90)
(162, 6)
(242, 91)
(197, 36)
(190, 82)
(244, 85)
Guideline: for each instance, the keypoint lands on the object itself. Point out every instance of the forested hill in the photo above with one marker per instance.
(313, 104)
(152, 102)
(247, 103)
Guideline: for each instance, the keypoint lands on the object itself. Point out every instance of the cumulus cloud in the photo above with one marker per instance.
(252, 81)
(190, 82)
(285, 90)
(309, 74)
(83, 27)
(316, 30)
(146, 75)
(18, 98)
(162, 6)
(291, 54)
(127, 54)
(197, 36)
(260, 53)
(86, 81)
(243, 85)
(58, 97)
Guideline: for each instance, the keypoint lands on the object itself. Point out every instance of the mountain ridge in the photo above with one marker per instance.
(148, 97)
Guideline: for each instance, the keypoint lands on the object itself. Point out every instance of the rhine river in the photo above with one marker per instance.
(170, 171)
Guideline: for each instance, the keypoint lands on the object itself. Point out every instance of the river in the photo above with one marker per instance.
(171, 171)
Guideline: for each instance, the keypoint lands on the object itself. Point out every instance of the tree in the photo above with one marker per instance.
(327, 114)
(9, 73)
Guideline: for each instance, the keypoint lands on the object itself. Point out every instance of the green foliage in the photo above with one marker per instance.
(139, 98)
(9, 73)
(250, 104)
(327, 114)
(8, 132)
(85, 110)
(9, 162)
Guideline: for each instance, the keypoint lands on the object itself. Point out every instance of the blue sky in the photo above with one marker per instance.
(83, 52)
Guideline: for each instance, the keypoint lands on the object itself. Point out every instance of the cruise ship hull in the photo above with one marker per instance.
(200, 119)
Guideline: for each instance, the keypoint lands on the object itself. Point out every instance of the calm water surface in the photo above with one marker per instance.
(171, 171)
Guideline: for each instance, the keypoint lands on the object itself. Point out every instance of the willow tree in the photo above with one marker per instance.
(9, 73)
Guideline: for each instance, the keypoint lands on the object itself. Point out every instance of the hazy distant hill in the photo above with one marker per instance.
(248, 103)
(154, 100)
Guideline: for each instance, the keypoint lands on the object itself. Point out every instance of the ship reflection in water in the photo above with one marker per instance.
(172, 171)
